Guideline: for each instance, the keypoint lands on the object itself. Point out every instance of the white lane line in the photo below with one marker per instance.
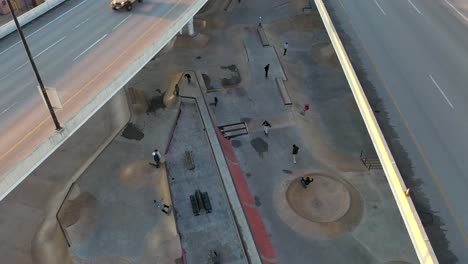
(381, 9)
(8, 108)
(9, 48)
(125, 19)
(454, 8)
(417, 10)
(81, 23)
(44, 26)
(341, 4)
(55, 43)
(40, 53)
(97, 41)
(442, 92)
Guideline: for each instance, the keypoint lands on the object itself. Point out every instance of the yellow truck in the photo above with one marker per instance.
(127, 4)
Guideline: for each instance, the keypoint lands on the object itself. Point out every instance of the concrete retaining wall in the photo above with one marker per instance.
(29, 16)
(49, 245)
(12, 178)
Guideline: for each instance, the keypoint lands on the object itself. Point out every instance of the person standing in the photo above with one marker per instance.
(215, 101)
(285, 46)
(266, 127)
(260, 21)
(295, 150)
(267, 68)
(157, 157)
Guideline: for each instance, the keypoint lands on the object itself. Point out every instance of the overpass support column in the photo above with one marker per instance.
(190, 28)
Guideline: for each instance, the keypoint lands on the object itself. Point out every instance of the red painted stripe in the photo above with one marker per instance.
(260, 235)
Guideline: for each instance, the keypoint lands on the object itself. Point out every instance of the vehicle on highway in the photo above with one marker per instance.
(127, 4)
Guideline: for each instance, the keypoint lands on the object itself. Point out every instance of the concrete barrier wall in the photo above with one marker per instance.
(29, 16)
(17, 174)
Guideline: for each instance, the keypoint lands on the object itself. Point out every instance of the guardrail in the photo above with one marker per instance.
(29, 16)
(408, 212)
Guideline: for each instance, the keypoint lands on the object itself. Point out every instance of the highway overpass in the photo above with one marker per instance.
(85, 50)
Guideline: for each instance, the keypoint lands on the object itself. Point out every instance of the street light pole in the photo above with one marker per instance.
(36, 72)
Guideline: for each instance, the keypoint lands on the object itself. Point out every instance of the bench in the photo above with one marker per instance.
(263, 37)
(283, 91)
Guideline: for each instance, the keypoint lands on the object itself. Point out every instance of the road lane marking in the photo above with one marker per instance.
(454, 8)
(8, 108)
(381, 9)
(57, 42)
(81, 23)
(97, 41)
(417, 10)
(42, 123)
(121, 22)
(30, 35)
(341, 4)
(442, 92)
(40, 53)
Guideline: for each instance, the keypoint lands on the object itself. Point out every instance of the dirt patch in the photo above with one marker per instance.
(207, 81)
(198, 41)
(235, 77)
(71, 209)
(236, 143)
(259, 145)
(324, 54)
(131, 131)
(156, 102)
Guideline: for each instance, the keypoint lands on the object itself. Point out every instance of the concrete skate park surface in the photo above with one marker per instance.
(353, 217)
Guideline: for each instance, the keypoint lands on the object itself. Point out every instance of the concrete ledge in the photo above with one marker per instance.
(417, 234)
(284, 92)
(263, 37)
(229, 185)
(29, 16)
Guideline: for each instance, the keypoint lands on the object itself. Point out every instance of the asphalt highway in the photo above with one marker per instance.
(78, 47)
(418, 50)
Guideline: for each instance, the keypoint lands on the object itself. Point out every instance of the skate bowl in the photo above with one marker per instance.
(325, 200)
(328, 208)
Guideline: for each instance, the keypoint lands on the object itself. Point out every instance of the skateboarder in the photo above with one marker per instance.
(267, 67)
(306, 181)
(266, 127)
(295, 150)
(157, 157)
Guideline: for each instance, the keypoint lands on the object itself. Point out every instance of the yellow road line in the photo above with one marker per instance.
(89, 82)
(410, 217)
